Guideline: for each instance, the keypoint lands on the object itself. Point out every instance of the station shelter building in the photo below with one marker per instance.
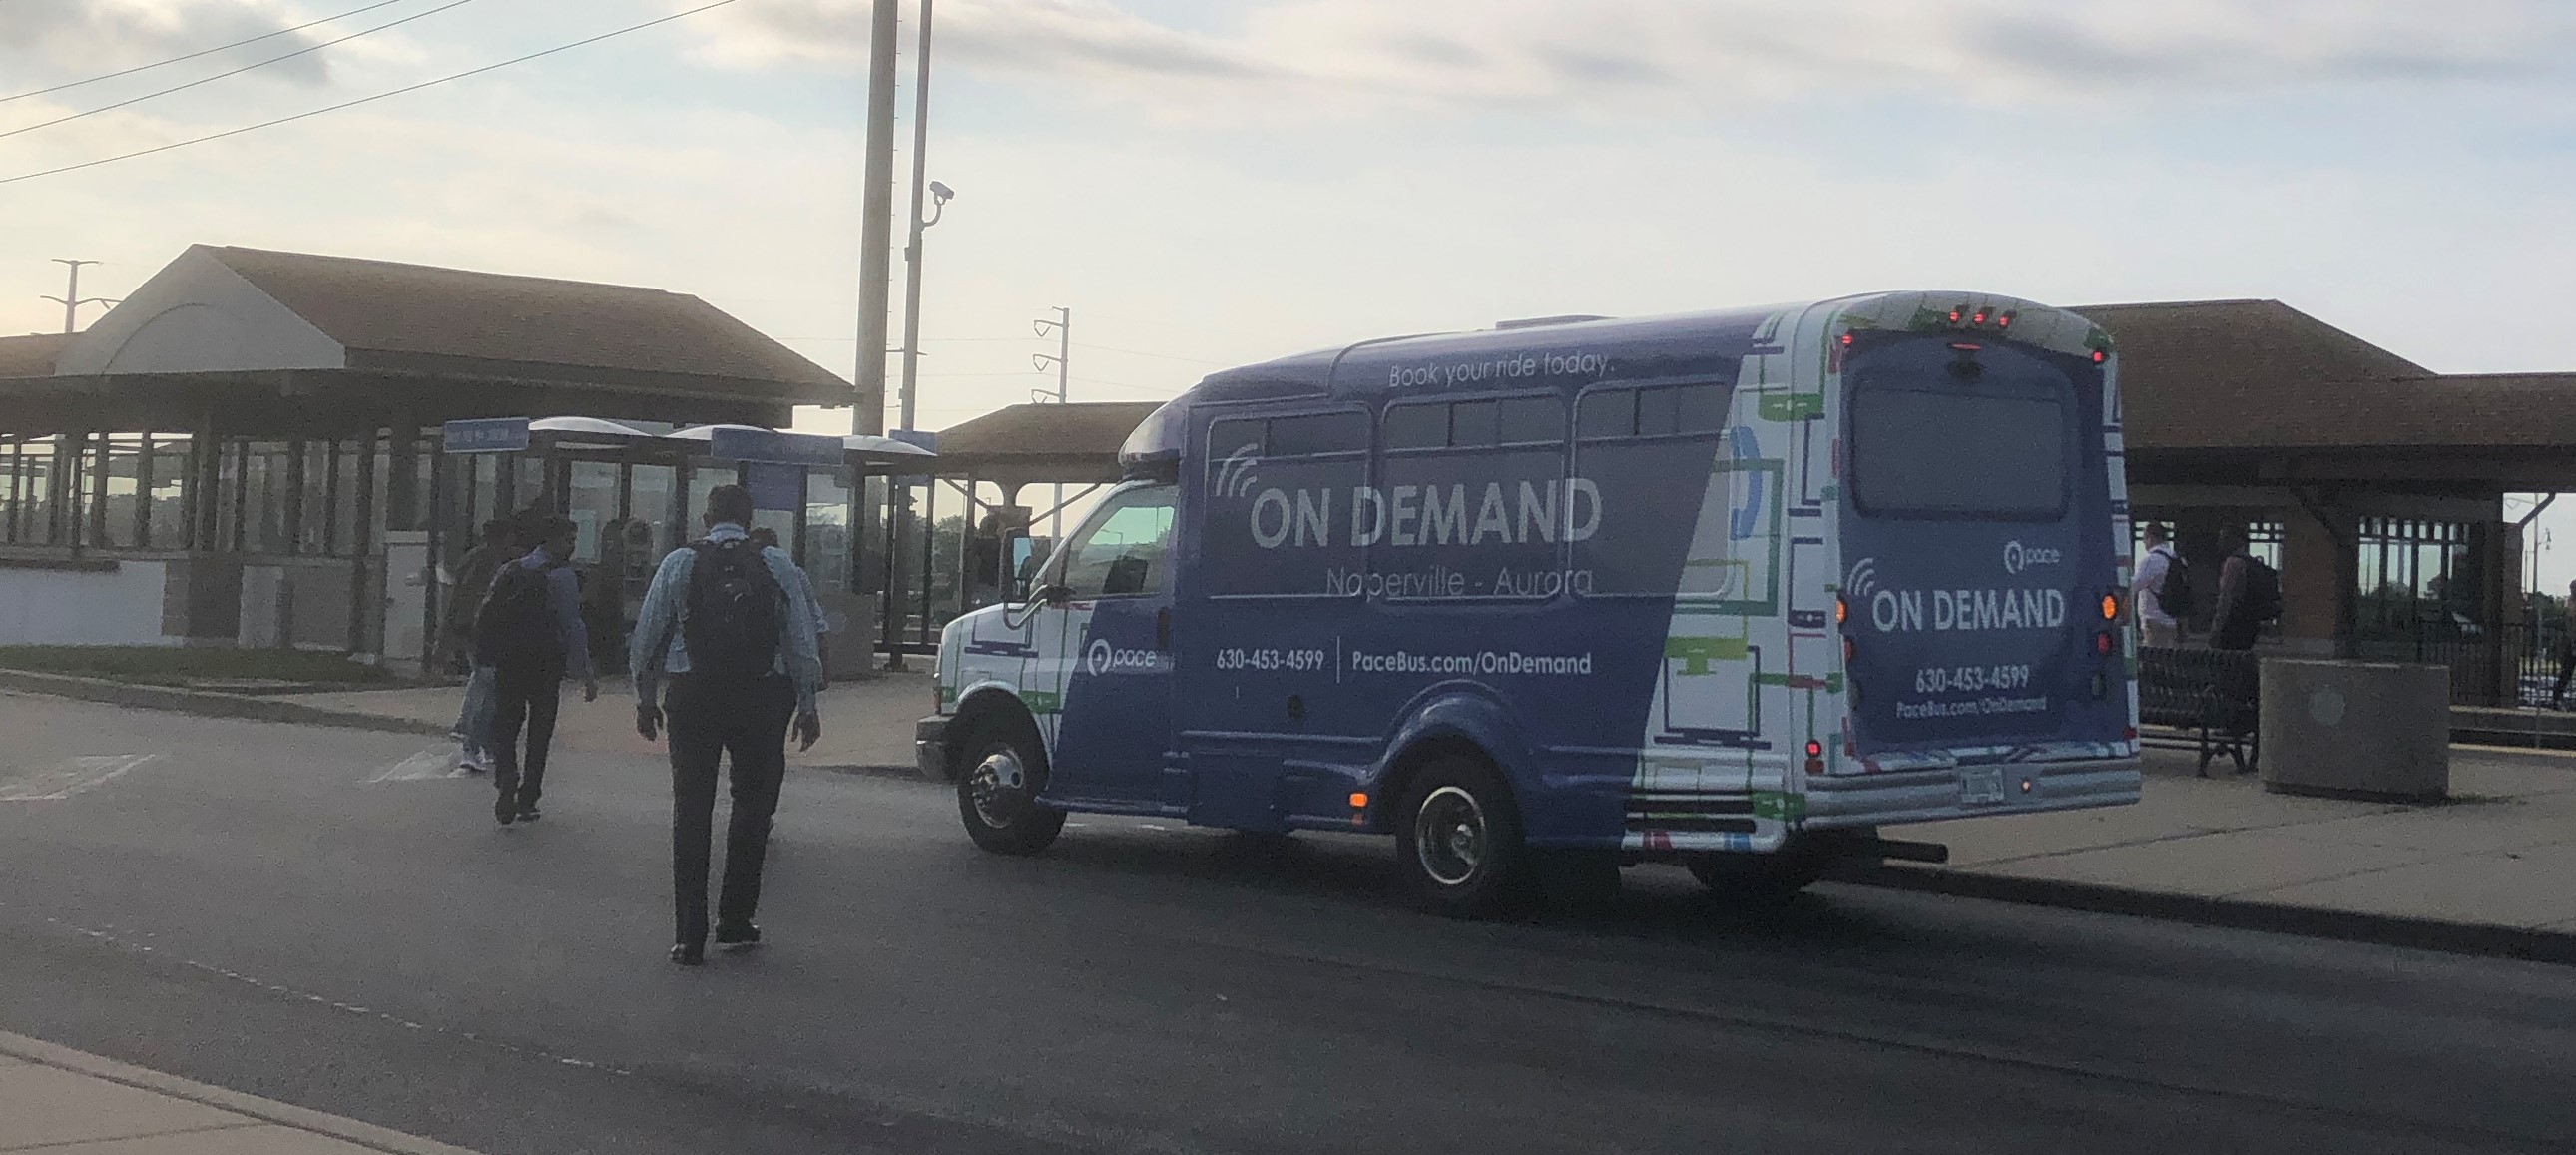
(249, 450)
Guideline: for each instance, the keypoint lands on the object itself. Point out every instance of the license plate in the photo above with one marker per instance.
(1981, 787)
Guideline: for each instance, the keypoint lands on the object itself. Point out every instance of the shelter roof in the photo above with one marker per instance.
(32, 355)
(386, 307)
(2195, 374)
(1075, 442)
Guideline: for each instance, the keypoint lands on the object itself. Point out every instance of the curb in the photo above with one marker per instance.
(205, 703)
(2236, 914)
(367, 1135)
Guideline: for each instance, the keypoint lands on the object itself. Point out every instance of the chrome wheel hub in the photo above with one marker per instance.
(997, 786)
(1449, 836)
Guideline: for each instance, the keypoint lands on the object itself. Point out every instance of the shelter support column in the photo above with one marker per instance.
(2317, 576)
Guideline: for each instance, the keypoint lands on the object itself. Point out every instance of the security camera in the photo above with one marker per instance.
(943, 192)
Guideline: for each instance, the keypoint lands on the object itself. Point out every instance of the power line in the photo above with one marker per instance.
(1162, 356)
(200, 52)
(235, 72)
(365, 99)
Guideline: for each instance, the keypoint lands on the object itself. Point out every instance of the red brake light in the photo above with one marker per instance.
(2100, 356)
(1847, 340)
(2102, 643)
(1815, 749)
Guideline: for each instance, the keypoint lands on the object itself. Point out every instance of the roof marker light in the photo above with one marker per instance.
(2100, 356)
(1847, 340)
(1981, 316)
(2004, 321)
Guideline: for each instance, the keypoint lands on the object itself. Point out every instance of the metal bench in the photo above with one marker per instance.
(2204, 700)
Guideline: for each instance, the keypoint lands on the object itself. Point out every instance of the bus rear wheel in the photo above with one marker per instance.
(1458, 841)
(997, 792)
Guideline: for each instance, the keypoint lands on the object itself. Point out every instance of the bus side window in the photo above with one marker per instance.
(1471, 424)
(1415, 427)
(1530, 421)
(1316, 434)
(1607, 413)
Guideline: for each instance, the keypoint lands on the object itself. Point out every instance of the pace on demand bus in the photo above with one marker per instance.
(1732, 590)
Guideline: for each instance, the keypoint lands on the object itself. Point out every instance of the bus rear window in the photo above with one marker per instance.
(1943, 452)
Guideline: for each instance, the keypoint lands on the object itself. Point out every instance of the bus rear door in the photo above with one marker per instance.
(1975, 550)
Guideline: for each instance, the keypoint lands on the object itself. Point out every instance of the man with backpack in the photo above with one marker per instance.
(2249, 594)
(732, 623)
(2162, 590)
(530, 632)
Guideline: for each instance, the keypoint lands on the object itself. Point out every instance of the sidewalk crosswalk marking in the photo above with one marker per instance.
(66, 778)
(435, 762)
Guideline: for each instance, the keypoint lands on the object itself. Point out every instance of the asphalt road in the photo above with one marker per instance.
(292, 913)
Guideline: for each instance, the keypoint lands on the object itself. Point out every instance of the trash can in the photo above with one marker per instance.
(2347, 729)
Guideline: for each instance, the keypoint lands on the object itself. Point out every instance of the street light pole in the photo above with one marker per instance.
(912, 250)
(876, 226)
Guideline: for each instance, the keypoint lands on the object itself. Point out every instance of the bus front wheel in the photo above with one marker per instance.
(1458, 841)
(997, 793)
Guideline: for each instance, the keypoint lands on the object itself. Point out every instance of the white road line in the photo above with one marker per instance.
(68, 777)
(435, 762)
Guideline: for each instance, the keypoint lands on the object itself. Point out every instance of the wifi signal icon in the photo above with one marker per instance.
(1234, 477)
(1862, 581)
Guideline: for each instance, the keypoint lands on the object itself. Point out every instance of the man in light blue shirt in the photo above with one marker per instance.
(733, 626)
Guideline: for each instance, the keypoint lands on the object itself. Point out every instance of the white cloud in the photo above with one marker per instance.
(45, 42)
(1347, 56)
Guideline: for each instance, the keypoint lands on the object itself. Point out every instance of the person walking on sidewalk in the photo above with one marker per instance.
(733, 626)
(530, 632)
(2249, 594)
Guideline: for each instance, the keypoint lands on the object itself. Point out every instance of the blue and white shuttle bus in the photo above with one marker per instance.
(1731, 589)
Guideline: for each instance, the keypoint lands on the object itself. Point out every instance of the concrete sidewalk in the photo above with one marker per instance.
(63, 1102)
(867, 724)
(2501, 856)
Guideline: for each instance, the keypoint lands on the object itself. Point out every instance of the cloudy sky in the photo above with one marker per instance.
(1208, 182)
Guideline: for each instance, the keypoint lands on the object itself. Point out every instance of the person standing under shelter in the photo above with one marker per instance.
(530, 633)
(767, 539)
(2160, 573)
(733, 625)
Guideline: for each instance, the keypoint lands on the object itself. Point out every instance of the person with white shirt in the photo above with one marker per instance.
(2158, 626)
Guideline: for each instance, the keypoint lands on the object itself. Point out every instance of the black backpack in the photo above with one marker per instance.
(2175, 596)
(732, 624)
(2262, 590)
(516, 626)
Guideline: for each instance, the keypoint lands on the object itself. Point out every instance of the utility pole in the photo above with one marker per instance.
(1062, 329)
(71, 300)
(912, 251)
(876, 229)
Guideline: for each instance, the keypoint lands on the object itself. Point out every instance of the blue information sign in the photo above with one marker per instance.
(774, 486)
(774, 448)
(489, 435)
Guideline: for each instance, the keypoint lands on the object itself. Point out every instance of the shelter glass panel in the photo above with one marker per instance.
(123, 491)
(592, 507)
(2418, 579)
(264, 491)
(8, 489)
(166, 520)
(705, 474)
(649, 502)
(827, 529)
(36, 489)
(313, 512)
(348, 467)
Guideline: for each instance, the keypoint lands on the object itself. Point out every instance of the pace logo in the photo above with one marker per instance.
(1100, 658)
(2019, 557)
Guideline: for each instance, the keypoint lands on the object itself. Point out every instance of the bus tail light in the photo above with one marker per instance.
(2102, 643)
(2100, 356)
(2111, 607)
(1815, 756)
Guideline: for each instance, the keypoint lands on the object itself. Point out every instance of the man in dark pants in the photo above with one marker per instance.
(733, 625)
(531, 634)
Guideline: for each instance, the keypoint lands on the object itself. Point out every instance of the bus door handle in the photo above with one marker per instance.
(1162, 629)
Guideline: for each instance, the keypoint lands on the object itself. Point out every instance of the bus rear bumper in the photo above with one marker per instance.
(1896, 797)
